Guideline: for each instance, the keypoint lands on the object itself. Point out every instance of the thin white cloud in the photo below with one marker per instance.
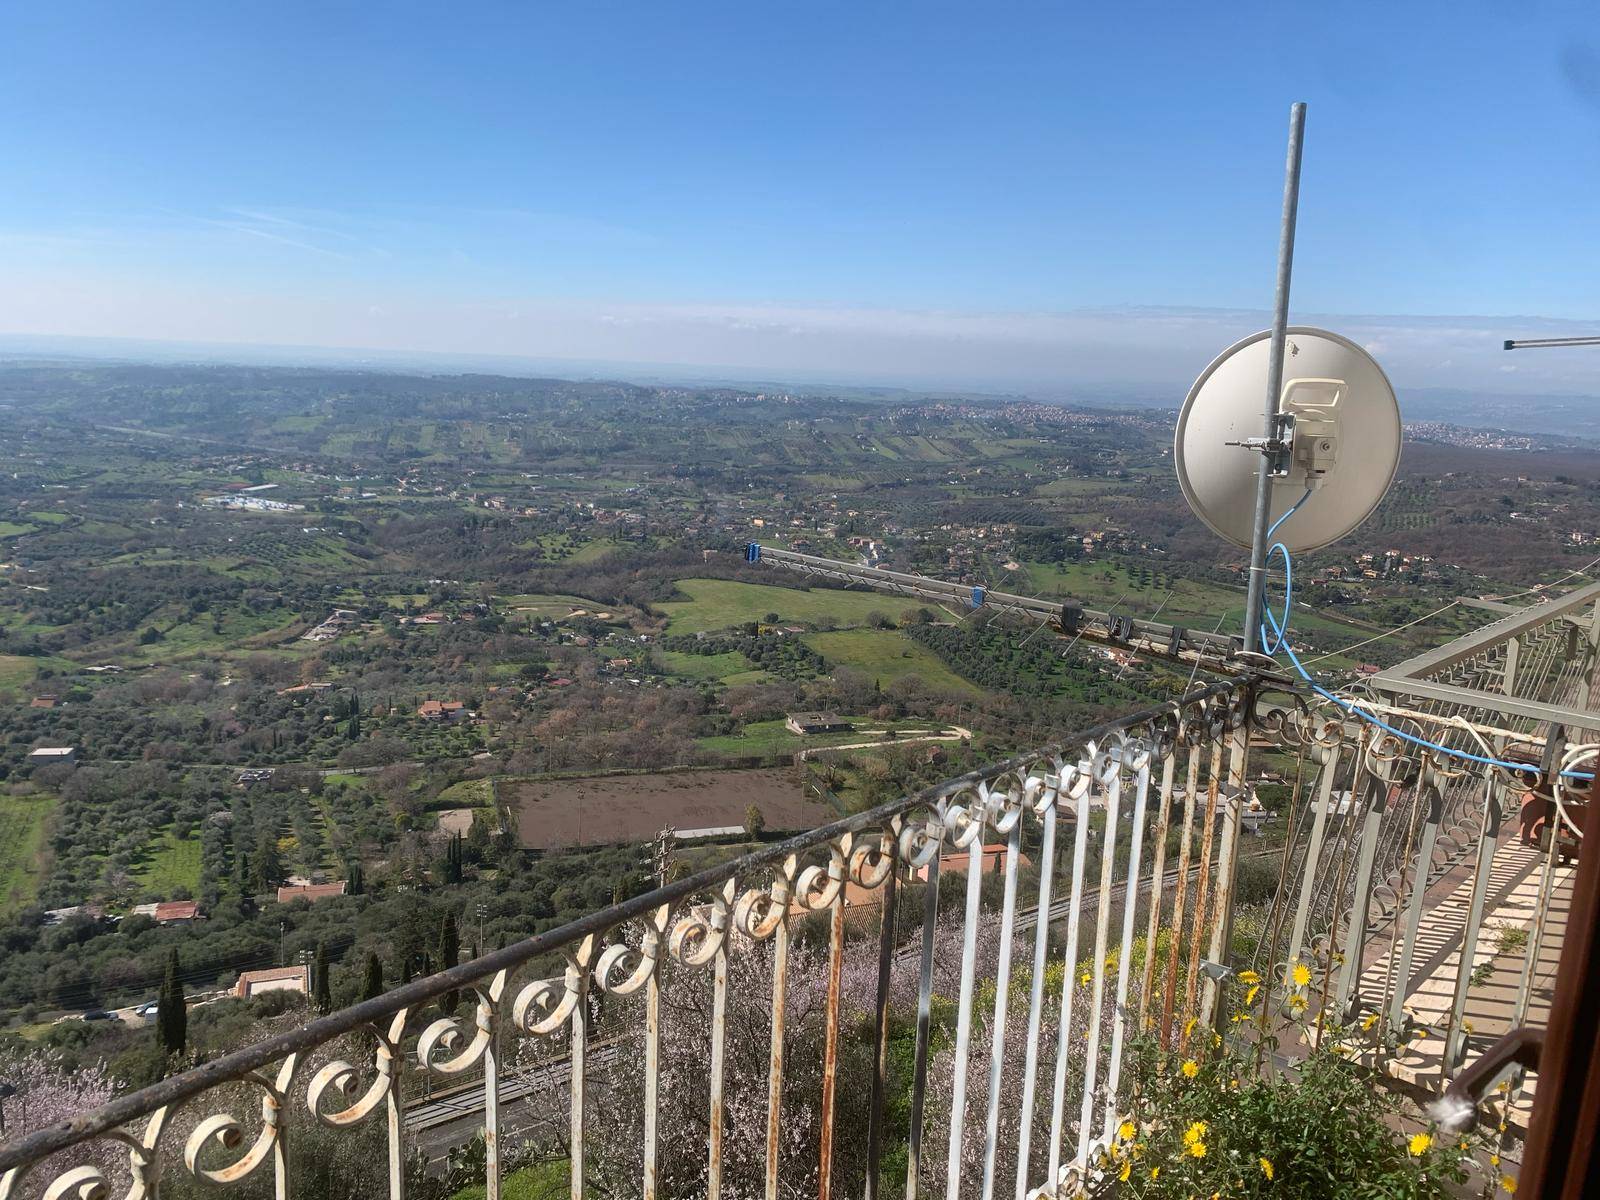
(1152, 352)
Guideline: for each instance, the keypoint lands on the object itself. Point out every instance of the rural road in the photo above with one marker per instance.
(954, 733)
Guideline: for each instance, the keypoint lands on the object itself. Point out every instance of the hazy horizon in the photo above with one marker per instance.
(1137, 355)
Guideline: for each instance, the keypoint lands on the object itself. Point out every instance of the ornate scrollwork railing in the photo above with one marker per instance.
(1132, 827)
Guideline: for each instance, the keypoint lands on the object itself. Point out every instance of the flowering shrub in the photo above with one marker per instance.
(49, 1090)
(1217, 1120)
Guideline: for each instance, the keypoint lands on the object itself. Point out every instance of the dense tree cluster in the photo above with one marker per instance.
(998, 657)
(784, 656)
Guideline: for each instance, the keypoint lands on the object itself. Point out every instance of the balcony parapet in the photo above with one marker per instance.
(1016, 1083)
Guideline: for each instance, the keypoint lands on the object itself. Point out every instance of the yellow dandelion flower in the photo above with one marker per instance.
(1250, 996)
(1266, 1169)
(1503, 1086)
(1341, 1049)
(1127, 1169)
(1194, 1133)
(1297, 1004)
(1197, 1149)
(1302, 975)
(1420, 1143)
(1126, 1130)
(1464, 1145)
(1190, 1068)
(1155, 1172)
(1188, 1026)
(1494, 1160)
(1368, 1021)
(1085, 977)
(1249, 977)
(1508, 1183)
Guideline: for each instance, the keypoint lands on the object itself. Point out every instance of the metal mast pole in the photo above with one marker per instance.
(1280, 322)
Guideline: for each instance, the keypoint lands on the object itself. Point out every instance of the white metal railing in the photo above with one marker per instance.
(1019, 1007)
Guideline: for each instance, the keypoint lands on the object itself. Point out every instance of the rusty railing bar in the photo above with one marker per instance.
(1130, 905)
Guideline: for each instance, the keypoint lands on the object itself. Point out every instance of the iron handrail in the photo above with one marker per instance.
(240, 1063)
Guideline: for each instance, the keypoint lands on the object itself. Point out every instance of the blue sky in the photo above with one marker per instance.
(686, 182)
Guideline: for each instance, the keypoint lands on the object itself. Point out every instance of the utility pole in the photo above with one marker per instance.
(1272, 431)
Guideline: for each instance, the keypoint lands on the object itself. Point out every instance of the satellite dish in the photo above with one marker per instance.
(1344, 438)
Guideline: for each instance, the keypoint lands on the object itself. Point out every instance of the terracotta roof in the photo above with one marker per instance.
(177, 910)
(310, 891)
(994, 859)
(273, 979)
(437, 708)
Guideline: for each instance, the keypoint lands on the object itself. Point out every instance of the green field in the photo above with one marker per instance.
(887, 655)
(10, 529)
(15, 670)
(23, 819)
(170, 863)
(466, 793)
(704, 666)
(354, 597)
(720, 603)
(547, 606)
(200, 634)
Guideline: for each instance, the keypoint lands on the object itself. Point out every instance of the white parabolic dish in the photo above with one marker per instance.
(1226, 404)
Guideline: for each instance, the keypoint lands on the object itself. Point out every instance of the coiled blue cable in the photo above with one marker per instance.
(1279, 640)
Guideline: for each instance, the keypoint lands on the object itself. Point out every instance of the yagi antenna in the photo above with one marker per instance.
(1339, 437)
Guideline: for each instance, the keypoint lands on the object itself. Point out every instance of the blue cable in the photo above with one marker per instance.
(1280, 641)
(1279, 638)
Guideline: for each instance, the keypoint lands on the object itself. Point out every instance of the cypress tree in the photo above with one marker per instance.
(172, 1017)
(453, 859)
(322, 994)
(355, 879)
(449, 956)
(408, 951)
(268, 867)
(373, 986)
